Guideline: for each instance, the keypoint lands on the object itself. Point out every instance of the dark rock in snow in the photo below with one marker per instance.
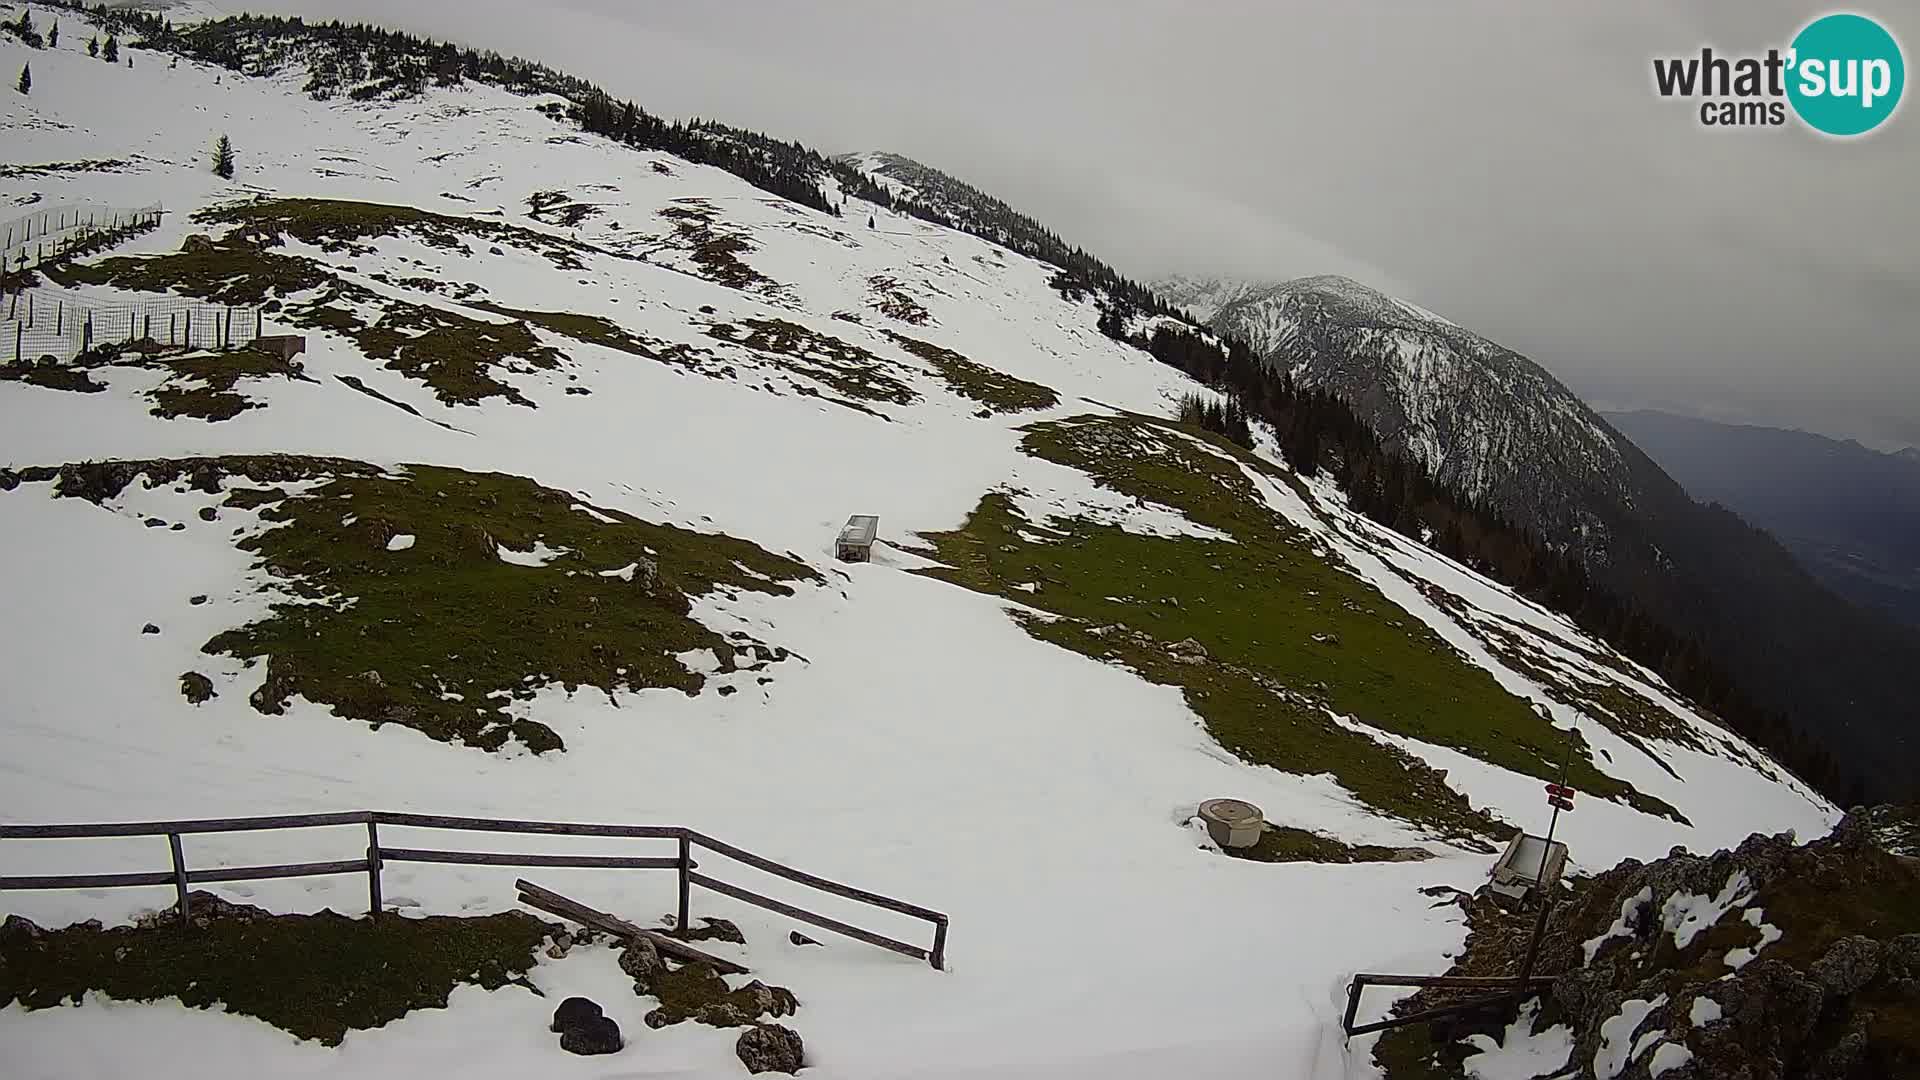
(799, 938)
(196, 688)
(771, 1000)
(150, 629)
(770, 1048)
(641, 960)
(573, 1011)
(717, 930)
(598, 1035)
(196, 601)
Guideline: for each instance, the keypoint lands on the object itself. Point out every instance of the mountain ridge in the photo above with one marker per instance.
(1524, 444)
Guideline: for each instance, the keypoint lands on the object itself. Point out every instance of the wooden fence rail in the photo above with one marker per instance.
(180, 876)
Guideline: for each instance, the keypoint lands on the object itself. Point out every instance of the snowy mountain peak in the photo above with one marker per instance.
(1465, 407)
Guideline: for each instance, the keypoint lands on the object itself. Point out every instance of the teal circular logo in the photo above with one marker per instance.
(1845, 74)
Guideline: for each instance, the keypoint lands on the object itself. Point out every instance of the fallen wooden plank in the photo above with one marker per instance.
(553, 903)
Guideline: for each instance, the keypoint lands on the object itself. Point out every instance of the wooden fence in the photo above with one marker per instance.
(180, 876)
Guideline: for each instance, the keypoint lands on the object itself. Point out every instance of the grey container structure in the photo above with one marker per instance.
(1233, 823)
(1519, 867)
(856, 539)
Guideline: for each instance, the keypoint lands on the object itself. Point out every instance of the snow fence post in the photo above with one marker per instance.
(938, 958)
(18, 331)
(179, 876)
(686, 861)
(373, 868)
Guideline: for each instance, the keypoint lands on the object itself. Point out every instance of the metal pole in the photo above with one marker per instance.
(373, 868)
(1539, 881)
(179, 876)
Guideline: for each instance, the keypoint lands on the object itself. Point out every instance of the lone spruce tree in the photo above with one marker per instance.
(53, 35)
(223, 158)
(111, 52)
(93, 45)
(25, 85)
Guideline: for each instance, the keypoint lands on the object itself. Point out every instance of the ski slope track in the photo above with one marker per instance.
(920, 742)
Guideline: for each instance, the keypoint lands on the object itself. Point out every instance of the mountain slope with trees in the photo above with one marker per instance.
(1717, 604)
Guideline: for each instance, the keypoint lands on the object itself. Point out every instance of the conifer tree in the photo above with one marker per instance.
(111, 51)
(53, 35)
(223, 158)
(25, 85)
(93, 45)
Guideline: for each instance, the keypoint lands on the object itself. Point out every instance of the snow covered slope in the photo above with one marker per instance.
(571, 439)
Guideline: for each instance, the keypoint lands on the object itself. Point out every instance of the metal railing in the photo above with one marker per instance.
(180, 875)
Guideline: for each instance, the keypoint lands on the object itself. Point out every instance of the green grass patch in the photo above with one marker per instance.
(314, 976)
(716, 250)
(842, 366)
(233, 271)
(1284, 843)
(890, 298)
(458, 357)
(697, 992)
(338, 225)
(66, 377)
(1287, 634)
(205, 386)
(443, 636)
(996, 391)
(598, 330)
(461, 359)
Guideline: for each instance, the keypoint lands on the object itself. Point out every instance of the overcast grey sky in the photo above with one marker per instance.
(1505, 164)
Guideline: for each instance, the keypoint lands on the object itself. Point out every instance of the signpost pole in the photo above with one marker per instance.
(1539, 882)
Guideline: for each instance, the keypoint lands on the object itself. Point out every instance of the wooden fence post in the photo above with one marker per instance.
(186, 336)
(939, 957)
(373, 868)
(179, 876)
(59, 316)
(169, 328)
(17, 332)
(256, 323)
(686, 859)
